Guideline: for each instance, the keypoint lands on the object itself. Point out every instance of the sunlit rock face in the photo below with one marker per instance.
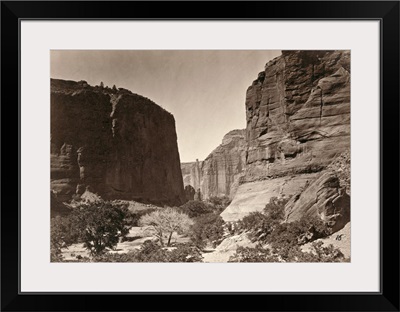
(119, 144)
(218, 175)
(298, 121)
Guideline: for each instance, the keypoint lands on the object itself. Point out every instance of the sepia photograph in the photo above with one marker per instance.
(214, 156)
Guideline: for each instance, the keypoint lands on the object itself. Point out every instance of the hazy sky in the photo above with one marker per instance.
(204, 90)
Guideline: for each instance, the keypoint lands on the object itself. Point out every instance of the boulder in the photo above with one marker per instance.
(325, 199)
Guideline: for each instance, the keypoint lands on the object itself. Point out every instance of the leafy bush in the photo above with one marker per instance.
(185, 253)
(262, 224)
(275, 209)
(166, 221)
(318, 253)
(149, 252)
(219, 203)
(207, 229)
(284, 239)
(257, 224)
(100, 225)
(256, 254)
(97, 225)
(153, 252)
(137, 215)
(62, 235)
(269, 227)
(195, 208)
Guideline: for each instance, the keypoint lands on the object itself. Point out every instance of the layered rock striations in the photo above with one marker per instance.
(116, 143)
(219, 173)
(192, 175)
(298, 113)
(298, 122)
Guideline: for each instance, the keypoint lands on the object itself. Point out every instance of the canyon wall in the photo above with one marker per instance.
(115, 143)
(219, 173)
(298, 122)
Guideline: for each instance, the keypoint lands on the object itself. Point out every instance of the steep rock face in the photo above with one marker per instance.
(219, 173)
(224, 166)
(298, 120)
(298, 113)
(192, 174)
(118, 144)
(324, 198)
(253, 196)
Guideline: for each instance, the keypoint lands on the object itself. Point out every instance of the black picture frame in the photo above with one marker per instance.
(387, 299)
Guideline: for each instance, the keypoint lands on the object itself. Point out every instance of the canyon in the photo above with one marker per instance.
(297, 125)
(296, 144)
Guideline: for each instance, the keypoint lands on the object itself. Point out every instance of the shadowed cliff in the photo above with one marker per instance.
(115, 143)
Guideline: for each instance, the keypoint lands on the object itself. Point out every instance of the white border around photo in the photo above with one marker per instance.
(39, 275)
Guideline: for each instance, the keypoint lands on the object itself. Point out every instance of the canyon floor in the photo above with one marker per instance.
(136, 237)
(221, 254)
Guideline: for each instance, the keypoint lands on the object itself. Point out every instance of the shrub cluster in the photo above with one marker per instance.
(97, 225)
(151, 252)
(195, 208)
(207, 229)
(268, 227)
(219, 203)
(318, 253)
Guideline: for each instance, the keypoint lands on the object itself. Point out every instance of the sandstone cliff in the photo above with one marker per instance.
(119, 144)
(219, 173)
(298, 122)
(192, 176)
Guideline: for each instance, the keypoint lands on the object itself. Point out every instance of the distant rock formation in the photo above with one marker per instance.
(219, 173)
(298, 122)
(120, 144)
(192, 174)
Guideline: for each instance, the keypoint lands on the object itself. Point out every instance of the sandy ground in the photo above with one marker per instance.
(220, 254)
(140, 234)
(227, 248)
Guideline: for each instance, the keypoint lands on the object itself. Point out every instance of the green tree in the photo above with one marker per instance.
(62, 235)
(318, 253)
(207, 229)
(165, 222)
(185, 253)
(253, 254)
(220, 201)
(100, 225)
(153, 252)
(195, 208)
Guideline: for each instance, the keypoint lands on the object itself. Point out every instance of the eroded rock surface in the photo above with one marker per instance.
(298, 122)
(119, 144)
(323, 198)
(219, 173)
(253, 196)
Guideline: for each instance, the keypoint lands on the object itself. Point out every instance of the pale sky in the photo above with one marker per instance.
(204, 90)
